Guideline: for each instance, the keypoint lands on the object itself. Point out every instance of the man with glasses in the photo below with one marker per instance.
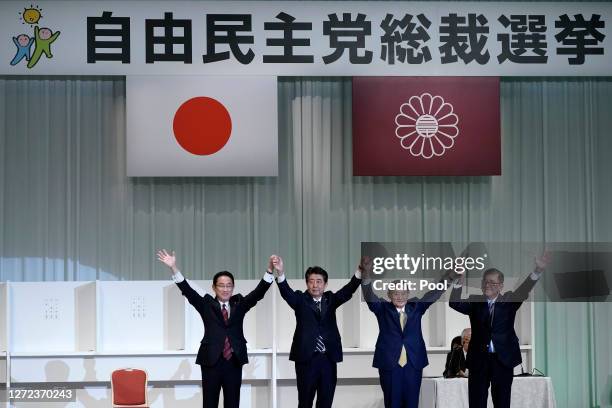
(223, 350)
(494, 348)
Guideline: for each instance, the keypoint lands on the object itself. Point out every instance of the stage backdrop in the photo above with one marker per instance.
(68, 212)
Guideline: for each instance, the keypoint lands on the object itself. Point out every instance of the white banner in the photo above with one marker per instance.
(305, 38)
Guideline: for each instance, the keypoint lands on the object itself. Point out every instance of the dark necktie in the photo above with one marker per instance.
(227, 348)
(490, 346)
(319, 345)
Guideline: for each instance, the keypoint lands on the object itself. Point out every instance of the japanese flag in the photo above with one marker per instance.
(201, 125)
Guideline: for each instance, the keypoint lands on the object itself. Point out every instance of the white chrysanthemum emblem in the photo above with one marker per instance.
(426, 126)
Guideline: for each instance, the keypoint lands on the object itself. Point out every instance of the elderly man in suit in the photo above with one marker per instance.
(455, 359)
(223, 350)
(494, 348)
(400, 354)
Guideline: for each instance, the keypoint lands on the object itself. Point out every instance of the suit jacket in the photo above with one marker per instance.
(455, 361)
(215, 329)
(500, 330)
(309, 324)
(390, 335)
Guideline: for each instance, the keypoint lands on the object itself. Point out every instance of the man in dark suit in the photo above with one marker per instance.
(223, 350)
(455, 359)
(494, 348)
(316, 346)
(400, 354)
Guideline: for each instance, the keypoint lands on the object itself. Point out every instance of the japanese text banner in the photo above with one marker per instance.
(305, 38)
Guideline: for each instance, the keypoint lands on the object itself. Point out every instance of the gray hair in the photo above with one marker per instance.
(491, 271)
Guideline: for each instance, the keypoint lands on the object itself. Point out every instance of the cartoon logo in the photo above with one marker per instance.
(42, 39)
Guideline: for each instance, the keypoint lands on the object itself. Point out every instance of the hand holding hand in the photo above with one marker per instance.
(365, 267)
(270, 267)
(276, 264)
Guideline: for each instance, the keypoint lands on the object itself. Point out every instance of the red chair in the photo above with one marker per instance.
(129, 388)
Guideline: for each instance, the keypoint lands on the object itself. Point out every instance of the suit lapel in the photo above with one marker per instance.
(496, 308)
(408, 309)
(324, 304)
(310, 302)
(481, 309)
(484, 313)
(394, 315)
(233, 309)
(217, 310)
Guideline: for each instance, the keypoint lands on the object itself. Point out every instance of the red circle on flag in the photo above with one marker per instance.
(202, 125)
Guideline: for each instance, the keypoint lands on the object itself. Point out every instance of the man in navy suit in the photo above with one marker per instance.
(316, 346)
(223, 350)
(494, 347)
(400, 353)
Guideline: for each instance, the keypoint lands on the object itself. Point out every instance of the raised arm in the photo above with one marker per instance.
(291, 297)
(522, 292)
(373, 301)
(262, 287)
(169, 259)
(456, 302)
(345, 293)
(54, 36)
(431, 297)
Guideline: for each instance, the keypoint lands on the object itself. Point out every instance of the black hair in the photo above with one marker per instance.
(316, 270)
(456, 342)
(220, 274)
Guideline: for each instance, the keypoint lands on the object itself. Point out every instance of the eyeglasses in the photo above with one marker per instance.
(225, 286)
(492, 284)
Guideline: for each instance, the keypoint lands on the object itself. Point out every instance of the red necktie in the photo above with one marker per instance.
(227, 349)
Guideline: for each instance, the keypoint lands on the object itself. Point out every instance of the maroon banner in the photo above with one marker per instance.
(434, 126)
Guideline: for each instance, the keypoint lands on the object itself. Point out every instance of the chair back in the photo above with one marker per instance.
(129, 388)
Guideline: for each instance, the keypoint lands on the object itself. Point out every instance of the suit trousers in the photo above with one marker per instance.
(401, 386)
(490, 371)
(226, 375)
(316, 376)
